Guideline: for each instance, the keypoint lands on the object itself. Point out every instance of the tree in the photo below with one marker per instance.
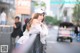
(36, 3)
(52, 20)
(42, 4)
(49, 19)
(76, 13)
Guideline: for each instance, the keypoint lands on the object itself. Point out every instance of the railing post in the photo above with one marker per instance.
(37, 47)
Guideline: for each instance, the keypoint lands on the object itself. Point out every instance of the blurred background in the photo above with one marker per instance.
(56, 12)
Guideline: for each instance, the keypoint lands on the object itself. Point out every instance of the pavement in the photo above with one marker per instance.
(60, 47)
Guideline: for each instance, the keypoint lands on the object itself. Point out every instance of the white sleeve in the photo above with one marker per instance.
(43, 34)
(44, 30)
(35, 30)
(39, 29)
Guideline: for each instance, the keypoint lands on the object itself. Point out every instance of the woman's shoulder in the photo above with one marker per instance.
(35, 21)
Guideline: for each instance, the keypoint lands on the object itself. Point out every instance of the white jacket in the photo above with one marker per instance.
(42, 30)
(24, 38)
(35, 29)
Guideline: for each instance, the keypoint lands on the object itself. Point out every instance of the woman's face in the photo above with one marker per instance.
(40, 18)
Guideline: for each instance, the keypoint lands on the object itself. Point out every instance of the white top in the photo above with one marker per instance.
(43, 30)
(3, 16)
(24, 38)
(35, 29)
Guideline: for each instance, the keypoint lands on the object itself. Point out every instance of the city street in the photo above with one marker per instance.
(60, 47)
(23, 26)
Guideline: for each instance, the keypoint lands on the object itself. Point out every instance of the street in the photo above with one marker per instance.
(60, 47)
(23, 26)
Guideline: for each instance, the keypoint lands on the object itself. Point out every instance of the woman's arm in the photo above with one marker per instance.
(44, 29)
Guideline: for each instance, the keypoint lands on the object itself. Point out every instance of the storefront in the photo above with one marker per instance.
(7, 5)
(23, 9)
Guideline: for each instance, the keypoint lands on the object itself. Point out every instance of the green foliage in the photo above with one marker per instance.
(43, 4)
(76, 13)
(51, 20)
(48, 19)
(35, 3)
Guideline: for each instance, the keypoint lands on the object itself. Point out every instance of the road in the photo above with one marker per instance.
(60, 47)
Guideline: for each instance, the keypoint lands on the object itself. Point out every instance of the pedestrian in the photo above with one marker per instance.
(76, 30)
(3, 17)
(25, 25)
(36, 25)
(17, 32)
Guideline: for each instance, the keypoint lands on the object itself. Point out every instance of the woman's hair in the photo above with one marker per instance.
(35, 16)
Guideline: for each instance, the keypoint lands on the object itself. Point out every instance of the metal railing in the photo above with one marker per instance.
(6, 28)
(36, 46)
(33, 45)
(5, 36)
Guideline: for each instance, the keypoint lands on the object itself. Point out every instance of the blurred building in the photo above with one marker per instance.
(53, 8)
(6, 4)
(23, 9)
(59, 6)
(9, 7)
(67, 8)
(69, 12)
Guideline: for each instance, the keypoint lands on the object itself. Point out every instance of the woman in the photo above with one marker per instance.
(36, 26)
(24, 26)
